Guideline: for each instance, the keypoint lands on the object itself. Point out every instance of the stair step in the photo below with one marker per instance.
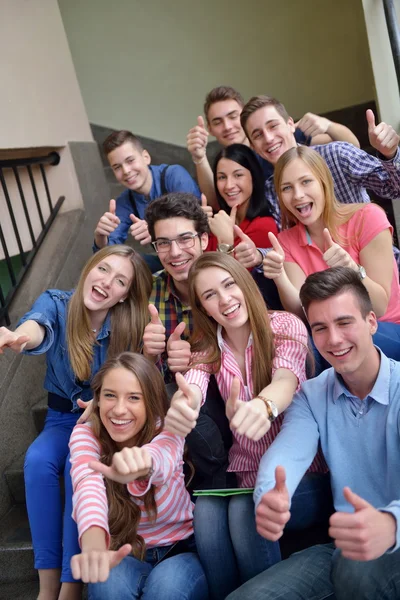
(16, 555)
(14, 475)
(39, 412)
(27, 590)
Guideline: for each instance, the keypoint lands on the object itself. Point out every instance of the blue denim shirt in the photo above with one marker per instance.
(50, 311)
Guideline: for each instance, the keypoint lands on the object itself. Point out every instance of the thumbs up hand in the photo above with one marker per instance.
(184, 408)
(382, 137)
(246, 251)
(107, 224)
(207, 209)
(364, 534)
(246, 418)
(196, 141)
(273, 262)
(139, 230)
(335, 255)
(154, 335)
(178, 350)
(222, 224)
(129, 464)
(272, 513)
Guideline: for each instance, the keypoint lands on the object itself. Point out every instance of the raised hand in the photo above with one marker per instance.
(10, 339)
(88, 406)
(207, 209)
(335, 255)
(365, 534)
(246, 252)
(178, 350)
(107, 224)
(222, 224)
(184, 409)
(94, 566)
(196, 141)
(127, 465)
(382, 137)
(154, 334)
(273, 261)
(312, 124)
(139, 230)
(273, 513)
(246, 418)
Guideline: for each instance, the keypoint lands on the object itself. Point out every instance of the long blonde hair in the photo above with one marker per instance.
(124, 514)
(204, 337)
(128, 318)
(335, 213)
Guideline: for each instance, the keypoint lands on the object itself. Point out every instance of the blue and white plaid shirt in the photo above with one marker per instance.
(352, 171)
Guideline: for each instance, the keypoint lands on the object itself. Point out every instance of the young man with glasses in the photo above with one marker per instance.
(179, 229)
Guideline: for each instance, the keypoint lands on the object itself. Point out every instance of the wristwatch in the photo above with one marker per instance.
(272, 408)
(362, 272)
(226, 248)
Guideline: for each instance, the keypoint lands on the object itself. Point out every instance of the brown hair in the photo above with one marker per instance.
(219, 94)
(123, 514)
(332, 282)
(204, 337)
(335, 213)
(128, 318)
(117, 138)
(177, 204)
(257, 102)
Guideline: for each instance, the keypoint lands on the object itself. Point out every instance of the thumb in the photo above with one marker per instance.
(370, 119)
(233, 213)
(328, 239)
(120, 554)
(112, 207)
(231, 403)
(82, 403)
(200, 122)
(185, 389)
(356, 501)
(134, 219)
(203, 200)
(155, 319)
(99, 467)
(179, 329)
(280, 480)
(275, 244)
(239, 233)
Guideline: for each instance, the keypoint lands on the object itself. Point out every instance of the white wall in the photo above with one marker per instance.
(148, 65)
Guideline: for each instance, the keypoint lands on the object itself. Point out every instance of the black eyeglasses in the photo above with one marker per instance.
(187, 240)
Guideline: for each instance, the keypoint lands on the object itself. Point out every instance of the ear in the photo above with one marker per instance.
(146, 157)
(373, 322)
(291, 125)
(204, 241)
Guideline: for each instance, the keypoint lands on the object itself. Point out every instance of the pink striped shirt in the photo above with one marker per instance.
(174, 508)
(245, 454)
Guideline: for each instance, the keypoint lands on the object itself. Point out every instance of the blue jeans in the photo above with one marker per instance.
(230, 549)
(321, 572)
(180, 577)
(312, 502)
(45, 462)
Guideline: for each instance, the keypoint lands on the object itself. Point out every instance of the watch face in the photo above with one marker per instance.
(274, 408)
(225, 247)
(362, 272)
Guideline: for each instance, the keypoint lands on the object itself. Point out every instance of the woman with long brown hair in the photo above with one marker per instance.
(258, 358)
(77, 330)
(138, 519)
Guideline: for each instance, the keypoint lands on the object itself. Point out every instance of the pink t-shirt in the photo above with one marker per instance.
(359, 230)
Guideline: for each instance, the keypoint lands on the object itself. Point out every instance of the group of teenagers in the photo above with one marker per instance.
(196, 368)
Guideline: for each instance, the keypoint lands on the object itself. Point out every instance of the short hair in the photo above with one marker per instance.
(219, 94)
(257, 102)
(259, 205)
(333, 282)
(117, 138)
(177, 204)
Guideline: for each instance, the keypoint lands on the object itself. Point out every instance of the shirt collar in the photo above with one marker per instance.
(105, 328)
(380, 391)
(170, 290)
(222, 343)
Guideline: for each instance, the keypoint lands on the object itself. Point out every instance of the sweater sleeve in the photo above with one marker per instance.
(90, 506)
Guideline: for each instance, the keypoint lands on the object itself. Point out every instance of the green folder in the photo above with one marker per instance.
(223, 492)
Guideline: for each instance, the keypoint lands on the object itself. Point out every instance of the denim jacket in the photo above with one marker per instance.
(50, 311)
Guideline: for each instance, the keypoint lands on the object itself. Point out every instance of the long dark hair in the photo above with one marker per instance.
(258, 206)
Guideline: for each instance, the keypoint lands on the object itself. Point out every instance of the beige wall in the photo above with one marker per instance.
(147, 65)
(387, 88)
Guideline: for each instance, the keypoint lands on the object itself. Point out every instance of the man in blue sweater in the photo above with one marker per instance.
(353, 411)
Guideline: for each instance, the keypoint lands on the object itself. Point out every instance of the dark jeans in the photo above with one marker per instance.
(268, 290)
